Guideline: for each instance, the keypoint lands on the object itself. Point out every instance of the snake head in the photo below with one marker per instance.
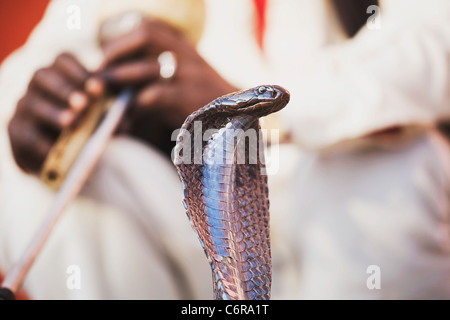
(258, 102)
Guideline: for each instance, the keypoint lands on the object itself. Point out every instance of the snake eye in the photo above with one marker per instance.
(261, 90)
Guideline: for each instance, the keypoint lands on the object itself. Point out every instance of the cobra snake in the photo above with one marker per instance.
(226, 190)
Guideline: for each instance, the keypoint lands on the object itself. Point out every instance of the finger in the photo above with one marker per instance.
(151, 34)
(132, 72)
(55, 85)
(46, 112)
(78, 74)
(95, 86)
(29, 145)
(78, 101)
(125, 45)
(72, 69)
(157, 95)
(162, 37)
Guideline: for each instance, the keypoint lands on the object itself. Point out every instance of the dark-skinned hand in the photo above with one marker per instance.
(57, 95)
(161, 105)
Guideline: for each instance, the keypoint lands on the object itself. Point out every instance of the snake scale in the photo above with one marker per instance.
(226, 190)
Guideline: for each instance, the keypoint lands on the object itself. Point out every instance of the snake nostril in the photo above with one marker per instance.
(274, 93)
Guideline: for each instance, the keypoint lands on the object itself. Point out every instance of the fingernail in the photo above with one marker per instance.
(95, 86)
(78, 101)
(147, 97)
(66, 118)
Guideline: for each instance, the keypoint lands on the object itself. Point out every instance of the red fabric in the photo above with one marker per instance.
(260, 8)
(17, 20)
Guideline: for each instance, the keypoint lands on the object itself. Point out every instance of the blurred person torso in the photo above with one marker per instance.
(354, 207)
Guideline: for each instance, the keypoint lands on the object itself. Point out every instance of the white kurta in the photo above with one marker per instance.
(336, 209)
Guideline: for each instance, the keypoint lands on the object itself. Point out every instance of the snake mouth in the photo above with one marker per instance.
(250, 104)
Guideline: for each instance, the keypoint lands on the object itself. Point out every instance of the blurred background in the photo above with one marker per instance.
(360, 176)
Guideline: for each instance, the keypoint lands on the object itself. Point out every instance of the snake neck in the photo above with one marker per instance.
(228, 146)
(228, 154)
(226, 192)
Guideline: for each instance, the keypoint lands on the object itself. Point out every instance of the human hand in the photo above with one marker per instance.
(132, 60)
(55, 99)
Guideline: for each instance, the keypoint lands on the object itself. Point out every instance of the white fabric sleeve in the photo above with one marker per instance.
(395, 75)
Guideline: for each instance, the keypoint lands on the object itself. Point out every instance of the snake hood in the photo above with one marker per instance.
(225, 195)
